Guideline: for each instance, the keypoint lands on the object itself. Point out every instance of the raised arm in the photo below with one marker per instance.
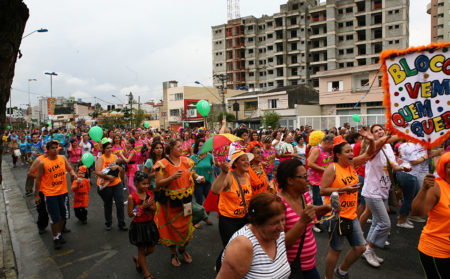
(223, 180)
(427, 198)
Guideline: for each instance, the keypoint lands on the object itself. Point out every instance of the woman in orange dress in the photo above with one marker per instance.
(434, 199)
(173, 217)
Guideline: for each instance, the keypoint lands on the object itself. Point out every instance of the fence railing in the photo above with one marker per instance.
(322, 122)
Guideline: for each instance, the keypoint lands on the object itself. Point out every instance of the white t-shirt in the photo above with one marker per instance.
(377, 182)
(301, 151)
(85, 147)
(411, 152)
(278, 145)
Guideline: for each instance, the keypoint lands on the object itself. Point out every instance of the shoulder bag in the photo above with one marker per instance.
(296, 265)
(240, 190)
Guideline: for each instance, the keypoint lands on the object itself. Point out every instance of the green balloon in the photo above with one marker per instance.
(49, 123)
(146, 125)
(9, 127)
(356, 118)
(187, 124)
(203, 108)
(87, 159)
(96, 133)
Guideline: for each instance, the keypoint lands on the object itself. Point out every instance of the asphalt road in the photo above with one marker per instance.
(92, 252)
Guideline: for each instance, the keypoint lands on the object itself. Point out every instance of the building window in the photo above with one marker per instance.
(349, 10)
(340, 11)
(349, 23)
(341, 52)
(334, 86)
(270, 84)
(273, 103)
(340, 24)
(253, 105)
(251, 74)
(177, 96)
(251, 62)
(174, 112)
(349, 50)
(250, 50)
(269, 36)
(250, 27)
(349, 37)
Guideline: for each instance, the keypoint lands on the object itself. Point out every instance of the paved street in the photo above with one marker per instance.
(92, 252)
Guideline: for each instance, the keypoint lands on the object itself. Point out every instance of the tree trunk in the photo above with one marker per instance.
(13, 17)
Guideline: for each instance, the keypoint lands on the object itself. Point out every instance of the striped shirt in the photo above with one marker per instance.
(308, 253)
(262, 266)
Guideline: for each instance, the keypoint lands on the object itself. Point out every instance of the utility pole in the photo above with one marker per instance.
(222, 79)
(130, 101)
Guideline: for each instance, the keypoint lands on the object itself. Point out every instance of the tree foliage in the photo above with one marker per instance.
(271, 119)
(138, 117)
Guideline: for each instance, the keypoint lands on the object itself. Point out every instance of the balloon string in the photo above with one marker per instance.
(368, 90)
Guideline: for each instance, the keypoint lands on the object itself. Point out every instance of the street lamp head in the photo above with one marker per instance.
(32, 79)
(197, 82)
(113, 95)
(42, 30)
(51, 74)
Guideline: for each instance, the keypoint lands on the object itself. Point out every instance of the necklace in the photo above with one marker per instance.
(257, 169)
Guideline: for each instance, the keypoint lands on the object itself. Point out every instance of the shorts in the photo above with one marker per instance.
(58, 207)
(356, 238)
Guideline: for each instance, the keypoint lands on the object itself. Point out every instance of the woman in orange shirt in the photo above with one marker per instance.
(342, 178)
(258, 176)
(434, 200)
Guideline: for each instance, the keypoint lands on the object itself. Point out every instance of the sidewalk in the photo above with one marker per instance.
(22, 252)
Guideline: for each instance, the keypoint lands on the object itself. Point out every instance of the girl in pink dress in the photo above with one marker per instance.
(128, 155)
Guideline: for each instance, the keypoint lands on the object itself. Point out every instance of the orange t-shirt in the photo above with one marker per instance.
(81, 194)
(106, 162)
(259, 183)
(435, 237)
(348, 201)
(53, 180)
(230, 202)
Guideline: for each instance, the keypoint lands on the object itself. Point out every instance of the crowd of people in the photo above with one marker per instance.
(272, 190)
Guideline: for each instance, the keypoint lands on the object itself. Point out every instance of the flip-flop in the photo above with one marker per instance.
(138, 268)
(149, 277)
(176, 257)
(183, 253)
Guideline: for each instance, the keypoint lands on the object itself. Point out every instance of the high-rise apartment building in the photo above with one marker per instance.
(440, 20)
(305, 37)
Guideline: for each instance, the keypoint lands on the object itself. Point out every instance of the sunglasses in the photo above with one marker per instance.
(302, 176)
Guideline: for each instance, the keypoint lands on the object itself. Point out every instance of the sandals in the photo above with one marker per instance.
(138, 268)
(149, 277)
(175, 256)
(186, 256)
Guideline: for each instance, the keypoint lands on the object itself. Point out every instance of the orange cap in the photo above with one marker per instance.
(440, 167)
(82, 168)
(338, 140)
(252, 145)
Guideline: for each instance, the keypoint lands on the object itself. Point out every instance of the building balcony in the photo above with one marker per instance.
(317, 19)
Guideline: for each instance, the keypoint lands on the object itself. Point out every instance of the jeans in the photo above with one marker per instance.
(381, 224)
(317, 198)
(107, 195)
(410, 187)
(201, 190)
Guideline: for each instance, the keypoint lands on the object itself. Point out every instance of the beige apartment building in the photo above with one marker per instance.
(306, 37)
(179, 103)
(439, 10)
(340, 90)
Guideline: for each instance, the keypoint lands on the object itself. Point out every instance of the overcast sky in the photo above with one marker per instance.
(105, 47)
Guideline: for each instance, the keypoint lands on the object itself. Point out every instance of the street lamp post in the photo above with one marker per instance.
(51, 89)
(221, 93)
(30, 80)
(42, 30)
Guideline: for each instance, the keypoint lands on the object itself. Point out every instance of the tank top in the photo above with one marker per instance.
(183, 186)
(141, 214)
(106, 162)
(324, 159)
(116, 149)
(230, 202)
(259, 183)
(435, 237)
(348, 201)
(53, 180)
(262, 266)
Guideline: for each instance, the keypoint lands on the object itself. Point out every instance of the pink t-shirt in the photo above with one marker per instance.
(75, 155)
(308, 253)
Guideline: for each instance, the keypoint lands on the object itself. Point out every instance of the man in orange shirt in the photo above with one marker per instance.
(52, 182)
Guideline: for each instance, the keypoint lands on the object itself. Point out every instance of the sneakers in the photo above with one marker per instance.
(405, 225)
(369, 221)
(371, 259)
(339, 275)
(387, 243)
(416, 219)
(316, 229)
(108, 227)
(123, 228)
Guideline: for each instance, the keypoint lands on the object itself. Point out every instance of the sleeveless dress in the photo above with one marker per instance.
(143, 231)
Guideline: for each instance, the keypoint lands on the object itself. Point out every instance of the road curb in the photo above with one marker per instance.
(29, 253)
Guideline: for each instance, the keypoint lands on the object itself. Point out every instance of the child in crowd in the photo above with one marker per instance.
(143, 231)
(80, 188)
(108, 171)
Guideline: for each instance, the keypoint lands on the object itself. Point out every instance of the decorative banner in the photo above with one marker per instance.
(51, 106)
(417, 88)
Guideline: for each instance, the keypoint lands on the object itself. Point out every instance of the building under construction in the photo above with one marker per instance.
(305, 37)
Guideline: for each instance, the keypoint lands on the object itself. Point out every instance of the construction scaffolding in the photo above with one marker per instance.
(235, 46)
